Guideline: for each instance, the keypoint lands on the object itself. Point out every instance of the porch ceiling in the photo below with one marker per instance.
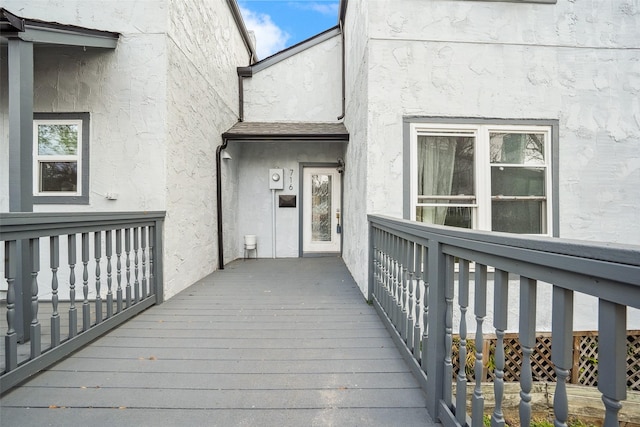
(287, 131)
(53, 33)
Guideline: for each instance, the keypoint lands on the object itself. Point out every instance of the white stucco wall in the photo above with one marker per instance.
(122, 89)
(306, 87)
(577, 64)
(159, 103)
(355, 247)
(255, 197)
(204, 50)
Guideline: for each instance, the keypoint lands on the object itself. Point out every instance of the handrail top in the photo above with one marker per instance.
(603, 251)
(29, 225)
(25, 218)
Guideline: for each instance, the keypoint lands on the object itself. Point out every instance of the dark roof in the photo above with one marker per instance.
(261, 131)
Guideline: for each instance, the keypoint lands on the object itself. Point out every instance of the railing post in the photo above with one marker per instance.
(34, 329)
(372, 264)
(10, 272)
(158, 266)
(435, 352)
(612, 358)
(562, 330)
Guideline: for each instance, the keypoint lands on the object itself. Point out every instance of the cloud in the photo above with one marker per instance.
(326, 8)
(269, 37)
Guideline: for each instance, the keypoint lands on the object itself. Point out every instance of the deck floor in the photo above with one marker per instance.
(287, 342)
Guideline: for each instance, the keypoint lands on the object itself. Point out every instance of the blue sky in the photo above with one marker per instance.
(279, 24)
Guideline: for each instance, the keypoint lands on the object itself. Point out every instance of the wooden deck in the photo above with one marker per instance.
(288, 342)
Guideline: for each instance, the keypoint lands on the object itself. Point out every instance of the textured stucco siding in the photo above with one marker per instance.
(159, 103)
(255, 197)
(306, 87)
(122, 89)
(204, 50)
(355, 249)
(575, 62)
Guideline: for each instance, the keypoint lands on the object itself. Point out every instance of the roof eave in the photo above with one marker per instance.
(285, 137)
(53, 33)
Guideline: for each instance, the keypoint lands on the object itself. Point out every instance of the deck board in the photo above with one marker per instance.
(264, 342)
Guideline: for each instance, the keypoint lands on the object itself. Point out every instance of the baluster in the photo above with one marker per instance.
(378, 267)
(109, 250)
(36, 345)
(425, 310)
(136, 283)
(448, 330)
(463, 301)
(402, 302)
(11, 338)
(398, 282)
(394, 280)
(376, 291)
(480, 310)
(387, 275)
(409, 326)
(416, 329)
(612, 358)
(527, 335)
(73, 313)
(127, 250)
(143, 246)
(97, 253)
(501, 300)
(119, 270)
(562, 332)
(54, 257)
(86, 308)
(152, 278)
(385, 272)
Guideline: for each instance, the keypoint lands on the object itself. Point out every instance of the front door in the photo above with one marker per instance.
(321, 210)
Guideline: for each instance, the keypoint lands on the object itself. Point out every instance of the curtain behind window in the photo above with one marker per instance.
(436, 160)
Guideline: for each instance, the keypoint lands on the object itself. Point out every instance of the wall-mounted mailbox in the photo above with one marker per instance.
(287, 201)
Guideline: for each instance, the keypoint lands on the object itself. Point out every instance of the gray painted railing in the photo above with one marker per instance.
(420, 274)
(122, 241)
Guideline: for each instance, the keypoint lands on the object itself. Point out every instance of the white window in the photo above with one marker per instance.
(60, 154)
(482, 176)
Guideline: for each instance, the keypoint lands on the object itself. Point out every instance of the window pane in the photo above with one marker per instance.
(445, 165)
(321, 208)
(517, 148)
(514, 181)
(519, 216)
(452, 216)
(58, 176)
(57, 139)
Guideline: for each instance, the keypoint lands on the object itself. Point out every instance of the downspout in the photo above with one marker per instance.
(344, 96)
(219, 202)
(242, 73)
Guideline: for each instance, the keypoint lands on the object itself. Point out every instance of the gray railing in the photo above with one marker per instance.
(419, 275)
(71, 277)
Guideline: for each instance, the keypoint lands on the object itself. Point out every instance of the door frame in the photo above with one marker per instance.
(301, 167)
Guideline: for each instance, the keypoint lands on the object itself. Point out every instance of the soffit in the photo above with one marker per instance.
(287, 131)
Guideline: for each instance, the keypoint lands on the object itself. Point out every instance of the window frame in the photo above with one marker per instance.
(481, 129)
(81, 195)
